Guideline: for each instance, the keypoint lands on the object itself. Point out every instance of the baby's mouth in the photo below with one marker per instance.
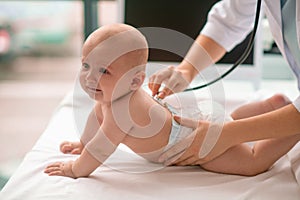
(93, 89)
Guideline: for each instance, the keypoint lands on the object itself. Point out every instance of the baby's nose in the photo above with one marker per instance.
(92, 77)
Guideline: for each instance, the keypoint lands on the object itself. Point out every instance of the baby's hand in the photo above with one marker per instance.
(71, 147)
(60, 169)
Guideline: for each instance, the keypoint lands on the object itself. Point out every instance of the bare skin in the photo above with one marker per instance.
(277, 104)
(240, 159)
(71, 147)
(141, 123)
(185, 69)
(283, 122)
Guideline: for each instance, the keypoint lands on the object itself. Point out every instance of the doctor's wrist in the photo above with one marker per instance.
(188, 70)
(233, 135)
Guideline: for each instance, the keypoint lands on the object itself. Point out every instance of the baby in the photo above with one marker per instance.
(113, 70)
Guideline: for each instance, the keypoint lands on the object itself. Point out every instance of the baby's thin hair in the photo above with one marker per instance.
(105, 32)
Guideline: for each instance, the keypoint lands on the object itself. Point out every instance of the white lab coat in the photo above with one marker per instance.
(230, 21)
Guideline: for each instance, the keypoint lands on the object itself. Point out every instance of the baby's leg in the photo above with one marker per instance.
(244, 160)
(260, 107)
(71, 147)
(247, 161)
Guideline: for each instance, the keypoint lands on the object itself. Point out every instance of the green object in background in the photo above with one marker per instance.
(50, 37)
(275, 67)
(3, 181)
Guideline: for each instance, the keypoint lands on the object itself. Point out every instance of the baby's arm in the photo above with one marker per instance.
(95, 152)
(92, 125)
(93, 155)
(83, 166)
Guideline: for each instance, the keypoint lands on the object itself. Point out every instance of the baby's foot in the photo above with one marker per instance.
(71, 147)
(278, 101)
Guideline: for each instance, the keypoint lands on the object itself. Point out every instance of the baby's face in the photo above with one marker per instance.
(109, 57)
(104, 81)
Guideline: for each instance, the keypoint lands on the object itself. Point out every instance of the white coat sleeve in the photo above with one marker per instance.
(230, 21)
(296, 103)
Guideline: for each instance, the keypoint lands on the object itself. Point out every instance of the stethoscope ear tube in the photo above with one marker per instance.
(243, 56)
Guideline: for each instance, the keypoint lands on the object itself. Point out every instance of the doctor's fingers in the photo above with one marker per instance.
(154, 87)
(164, 92)
(171, 86)
(175, 84)
(176, 152)
(191, 154)
(177, 81)
(187, 122)
(158, 78)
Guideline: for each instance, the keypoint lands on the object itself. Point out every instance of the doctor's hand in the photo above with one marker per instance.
(187, 151)
(175, 80)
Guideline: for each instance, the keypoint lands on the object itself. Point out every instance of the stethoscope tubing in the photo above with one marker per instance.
(243, 56)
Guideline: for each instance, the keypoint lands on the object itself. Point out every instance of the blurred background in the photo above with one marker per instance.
(40, 44)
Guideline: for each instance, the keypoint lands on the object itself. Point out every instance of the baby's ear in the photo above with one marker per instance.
(137, 80)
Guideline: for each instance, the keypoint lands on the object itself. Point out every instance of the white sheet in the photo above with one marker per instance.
(116, 179)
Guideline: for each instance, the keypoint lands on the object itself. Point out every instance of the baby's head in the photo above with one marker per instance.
(113, 62)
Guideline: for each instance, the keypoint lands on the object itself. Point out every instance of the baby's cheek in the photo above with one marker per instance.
(82, 80)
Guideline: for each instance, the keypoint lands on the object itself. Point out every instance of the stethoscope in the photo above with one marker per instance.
(243, 56)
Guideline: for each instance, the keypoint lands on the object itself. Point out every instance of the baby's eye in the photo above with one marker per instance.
(103, 71)
(85, 66)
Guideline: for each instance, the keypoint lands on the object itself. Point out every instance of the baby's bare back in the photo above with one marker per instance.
(151, 126)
